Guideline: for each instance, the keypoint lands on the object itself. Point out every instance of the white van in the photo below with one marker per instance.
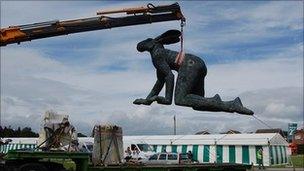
(86, 146)
(140, 151)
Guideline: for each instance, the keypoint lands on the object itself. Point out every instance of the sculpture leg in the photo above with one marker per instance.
(189, 81)
(227, 106)
(189, 91)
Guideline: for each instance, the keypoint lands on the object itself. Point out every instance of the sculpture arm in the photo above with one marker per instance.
(165, 73)
(158, 86)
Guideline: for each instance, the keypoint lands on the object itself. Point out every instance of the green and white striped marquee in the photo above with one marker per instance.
(229, 153)
(231, 148)
(224, 148)
(4, 148)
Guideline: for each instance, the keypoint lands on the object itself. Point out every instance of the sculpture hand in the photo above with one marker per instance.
(160, 100)
(142, 101)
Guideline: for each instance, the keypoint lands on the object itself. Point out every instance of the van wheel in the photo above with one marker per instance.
(32, 167)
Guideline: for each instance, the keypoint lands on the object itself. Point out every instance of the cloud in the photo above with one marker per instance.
(284, 103)
(242, 30)
(98, 97)
(280, 108)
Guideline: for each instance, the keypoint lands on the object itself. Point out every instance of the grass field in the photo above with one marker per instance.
(298, 161)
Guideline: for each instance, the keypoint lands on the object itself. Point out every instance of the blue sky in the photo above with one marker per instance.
(252, 49)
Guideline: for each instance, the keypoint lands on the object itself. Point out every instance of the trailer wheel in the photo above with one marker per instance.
(32, 167)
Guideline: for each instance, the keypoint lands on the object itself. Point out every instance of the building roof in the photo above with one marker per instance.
(231, 131)
(275, 130)
(211, 139)
(202, 133)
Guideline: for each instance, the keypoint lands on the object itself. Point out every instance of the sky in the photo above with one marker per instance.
(253, 50)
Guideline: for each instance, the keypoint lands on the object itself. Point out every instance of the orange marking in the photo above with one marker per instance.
(11, 34)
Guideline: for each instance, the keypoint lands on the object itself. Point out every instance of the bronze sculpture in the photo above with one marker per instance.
(189, 89)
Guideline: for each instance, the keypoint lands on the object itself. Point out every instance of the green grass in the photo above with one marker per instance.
(298, 161)
(68, 164)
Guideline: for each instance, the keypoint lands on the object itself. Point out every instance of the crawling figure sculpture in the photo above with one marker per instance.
(189, 89)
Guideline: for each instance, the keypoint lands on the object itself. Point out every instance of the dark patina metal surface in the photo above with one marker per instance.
(189, 87)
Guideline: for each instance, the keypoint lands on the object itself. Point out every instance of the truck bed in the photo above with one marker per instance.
(82, 163)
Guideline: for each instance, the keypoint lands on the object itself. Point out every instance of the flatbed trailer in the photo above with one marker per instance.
(45, 161)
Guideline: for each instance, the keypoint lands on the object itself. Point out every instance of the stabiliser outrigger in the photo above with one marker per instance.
(135, 16)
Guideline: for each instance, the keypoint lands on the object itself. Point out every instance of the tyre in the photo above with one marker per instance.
(32, 167)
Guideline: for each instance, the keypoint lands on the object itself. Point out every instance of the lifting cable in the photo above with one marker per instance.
(181, 55)
(262, 121)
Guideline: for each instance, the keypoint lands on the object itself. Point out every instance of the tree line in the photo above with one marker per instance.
(24, 132)
(10, 132)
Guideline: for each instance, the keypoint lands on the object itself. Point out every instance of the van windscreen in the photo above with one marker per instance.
(144, 147)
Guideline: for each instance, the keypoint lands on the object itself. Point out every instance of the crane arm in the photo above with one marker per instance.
(140, 15)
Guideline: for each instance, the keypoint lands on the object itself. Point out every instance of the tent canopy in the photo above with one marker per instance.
(211, 139)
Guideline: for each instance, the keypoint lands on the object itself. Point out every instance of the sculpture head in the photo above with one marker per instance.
(169, 37)
(146, 45)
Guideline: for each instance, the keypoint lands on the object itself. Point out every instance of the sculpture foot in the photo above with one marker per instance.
(216, 98)
(237, 106)
(238, 102)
